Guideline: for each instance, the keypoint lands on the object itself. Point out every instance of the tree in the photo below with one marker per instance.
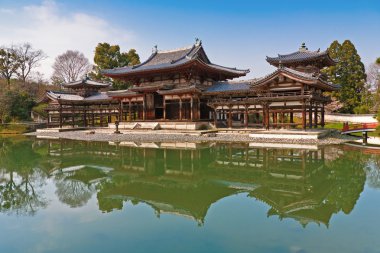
(8, 63)
(70, 67)
(27, 60)
(108, 57)
(15, 105)
(349, 72)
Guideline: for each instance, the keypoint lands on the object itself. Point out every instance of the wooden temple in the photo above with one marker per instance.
(296, 87)
(169, 85)
(184, 85)
(81, 103)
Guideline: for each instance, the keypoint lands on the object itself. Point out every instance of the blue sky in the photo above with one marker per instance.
(234, 33)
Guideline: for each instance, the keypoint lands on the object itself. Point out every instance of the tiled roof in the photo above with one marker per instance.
(302, 55)
(63, 96)
(161, 60)
(316, 78)
(86, 82)
(228, 87)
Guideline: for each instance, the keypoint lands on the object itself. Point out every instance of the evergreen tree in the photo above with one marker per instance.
(349, 72)
(108, 57)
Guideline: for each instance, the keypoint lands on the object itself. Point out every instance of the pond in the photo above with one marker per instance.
(71, 196)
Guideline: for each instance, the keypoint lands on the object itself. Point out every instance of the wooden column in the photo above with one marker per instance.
(264, 117)
(323, 115)
(191, 108)
(310, 115)
(84, 116)
(72, 118)
(246, 117)
(60, 116)
(48, 118)
(229, 117)
(180, 108)
(129, 110)
(214, 116)
(291, 117)
(92, 118)
(274, 115)
(101, 116)
(144, 107)
(303, 115)
(199, 109)
(315, 116)
(121, 111)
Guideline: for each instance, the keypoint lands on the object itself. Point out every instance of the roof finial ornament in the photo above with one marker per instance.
(280, 66)
(198, 42)
(303, 47)
(154, 49)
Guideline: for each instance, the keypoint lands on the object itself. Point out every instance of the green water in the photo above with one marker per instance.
(66, 196)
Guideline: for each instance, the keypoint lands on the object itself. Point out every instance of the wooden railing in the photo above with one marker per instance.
(362, 126)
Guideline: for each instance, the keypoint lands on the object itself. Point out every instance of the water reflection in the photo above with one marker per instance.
(307, 185)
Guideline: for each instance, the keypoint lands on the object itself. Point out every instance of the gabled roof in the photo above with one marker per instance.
(169, 60)
(303, 55)
(303, 77)
(86, 82)
(74, 98)
(226, 87)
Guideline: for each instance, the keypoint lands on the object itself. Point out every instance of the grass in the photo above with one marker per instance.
(13, 129)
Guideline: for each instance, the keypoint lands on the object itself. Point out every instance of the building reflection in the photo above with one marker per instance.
(307, 185)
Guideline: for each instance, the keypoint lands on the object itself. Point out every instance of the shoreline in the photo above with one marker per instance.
(156, 136)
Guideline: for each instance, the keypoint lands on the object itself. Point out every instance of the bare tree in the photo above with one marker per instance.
(28, 59)
(8, 63)
(70, 66)
(373, 75)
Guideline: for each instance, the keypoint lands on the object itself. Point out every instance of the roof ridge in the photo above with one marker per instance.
(175, 50)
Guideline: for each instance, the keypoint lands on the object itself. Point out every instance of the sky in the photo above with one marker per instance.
(234, 33)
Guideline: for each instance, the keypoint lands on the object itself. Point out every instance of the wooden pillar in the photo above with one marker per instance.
(268, 117)
(214, 116)
(229, 117)
(48, 118)
(310, 115)
(274, 115)
(92, 118)
(323, 115)
(72, 117)
(291, 120)
(180, 108)
(121, 111)
(191, 108)
(315, 116)
(164, 107)
(303, 115)
(60, 116)
(101, 116)
(84, 117)
(264, 117)
(144, 107)
(130, 109)
(199, 109)
(246, 117)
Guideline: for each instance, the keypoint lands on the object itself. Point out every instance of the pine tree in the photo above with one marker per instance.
(349, 72)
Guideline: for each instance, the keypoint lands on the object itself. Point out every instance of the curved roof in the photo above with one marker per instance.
(172, 59)
(86, 82)
(74, 98)
(308, 78)
(303, 55)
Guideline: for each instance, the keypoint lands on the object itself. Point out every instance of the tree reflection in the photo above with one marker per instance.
(21, 181)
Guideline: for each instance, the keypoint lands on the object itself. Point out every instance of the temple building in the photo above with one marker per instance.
(296, 87)
(81, 103)
(169, 85)
(183, 86)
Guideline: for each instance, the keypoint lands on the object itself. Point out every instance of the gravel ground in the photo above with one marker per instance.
(333, 138)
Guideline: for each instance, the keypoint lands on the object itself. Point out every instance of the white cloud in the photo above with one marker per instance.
(55, 31)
